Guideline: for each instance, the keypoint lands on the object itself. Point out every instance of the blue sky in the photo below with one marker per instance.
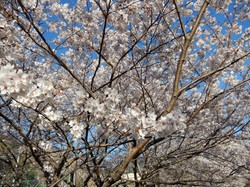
(220, 19)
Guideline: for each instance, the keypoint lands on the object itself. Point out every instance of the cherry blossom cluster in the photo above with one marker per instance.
(132, 119)
(23, 87)
(14, 82)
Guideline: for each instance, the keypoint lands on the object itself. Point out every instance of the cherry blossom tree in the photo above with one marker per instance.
(154, 90)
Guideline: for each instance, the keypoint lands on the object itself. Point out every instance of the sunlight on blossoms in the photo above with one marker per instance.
(76, 129)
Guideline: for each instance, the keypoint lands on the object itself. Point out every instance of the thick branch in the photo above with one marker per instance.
(182, 58)
(116, 174)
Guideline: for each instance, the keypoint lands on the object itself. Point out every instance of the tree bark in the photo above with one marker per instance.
(116, 174)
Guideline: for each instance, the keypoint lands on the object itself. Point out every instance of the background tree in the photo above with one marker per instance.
(159, 89)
